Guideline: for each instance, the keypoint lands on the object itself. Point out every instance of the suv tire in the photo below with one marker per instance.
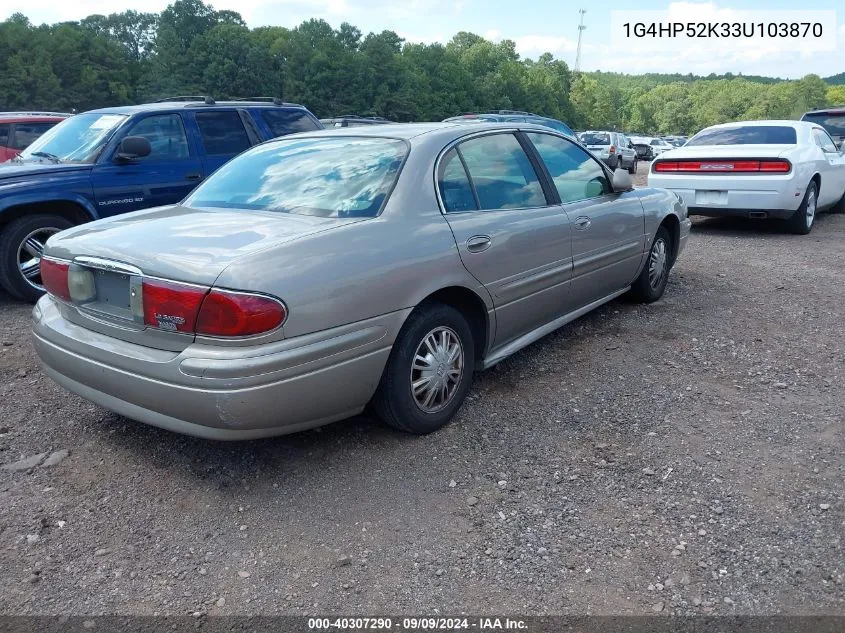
(23, 240)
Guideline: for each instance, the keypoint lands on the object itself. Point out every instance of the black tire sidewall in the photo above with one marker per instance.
(642, 289)
(10, 239)
(401, 410)
(798, 221)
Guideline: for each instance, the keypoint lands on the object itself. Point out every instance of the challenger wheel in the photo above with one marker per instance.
(802, 220)
(429, 371)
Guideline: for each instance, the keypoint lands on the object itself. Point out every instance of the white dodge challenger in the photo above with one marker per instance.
(786, 170)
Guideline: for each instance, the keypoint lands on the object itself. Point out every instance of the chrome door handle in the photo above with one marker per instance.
(478, 243)
(582, 223)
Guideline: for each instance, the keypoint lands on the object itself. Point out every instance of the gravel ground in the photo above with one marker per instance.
(684, 457)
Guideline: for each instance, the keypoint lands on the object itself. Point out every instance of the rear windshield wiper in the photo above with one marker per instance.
(47, 155)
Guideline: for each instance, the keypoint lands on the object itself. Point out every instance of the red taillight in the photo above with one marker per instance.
(723, 166)
(54, 277)
(225, 313)
(171, 306)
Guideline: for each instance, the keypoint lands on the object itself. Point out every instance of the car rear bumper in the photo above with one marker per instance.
(734, 195)
(220, 393)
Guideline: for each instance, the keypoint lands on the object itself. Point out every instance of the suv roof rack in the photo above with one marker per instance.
(274, 100)
(515, 112)
(34, 113)
(204, 98)
(359, 116)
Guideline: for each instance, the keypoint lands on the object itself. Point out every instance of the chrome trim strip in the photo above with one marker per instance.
(526, 339)
(107, 264)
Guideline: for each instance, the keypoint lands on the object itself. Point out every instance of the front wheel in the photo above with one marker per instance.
(429, 371)
(651, 283)
(21, 246)
(802, 220)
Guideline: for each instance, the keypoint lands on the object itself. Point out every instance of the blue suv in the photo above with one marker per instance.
(114, 160)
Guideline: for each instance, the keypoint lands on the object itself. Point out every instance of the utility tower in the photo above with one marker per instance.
(581, 28)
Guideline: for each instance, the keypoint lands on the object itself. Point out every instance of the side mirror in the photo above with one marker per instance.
(133, 147)
(622, 180)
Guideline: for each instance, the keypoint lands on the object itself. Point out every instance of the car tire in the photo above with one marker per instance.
(32, 230)
(633, 168)
(651, 283)
(801, 222)
(422, 337)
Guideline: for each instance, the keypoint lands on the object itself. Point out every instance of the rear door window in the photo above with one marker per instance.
(283, 122)
(501, 172)
(222, 132)
(455, 188)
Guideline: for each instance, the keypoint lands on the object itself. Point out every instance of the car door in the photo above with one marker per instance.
(165, 176)
(509, 236)
(833, 180)
(608, 228)
(223, 136)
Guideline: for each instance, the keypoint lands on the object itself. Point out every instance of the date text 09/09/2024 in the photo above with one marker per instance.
(417, 624)
(774, 30)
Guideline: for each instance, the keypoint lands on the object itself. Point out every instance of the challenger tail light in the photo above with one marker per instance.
(178, 307)
(728, 166)
(54, 276)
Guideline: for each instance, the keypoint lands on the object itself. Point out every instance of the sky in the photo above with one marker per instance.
(537, 26)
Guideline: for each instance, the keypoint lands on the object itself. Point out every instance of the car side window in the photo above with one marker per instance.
(501, 173)
(166, 135)
(282, 122)
(824, 141)
(222, 132)
(26, 133)
(576, 174)
(453, 182)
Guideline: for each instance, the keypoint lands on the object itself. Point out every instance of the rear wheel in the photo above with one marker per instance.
(633, 168)
(429, 371)
(21, 246)
(802, 220)
(839, 207)
(651, 283)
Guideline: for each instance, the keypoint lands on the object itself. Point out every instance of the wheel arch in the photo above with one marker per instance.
(74, 210)
(475, 310)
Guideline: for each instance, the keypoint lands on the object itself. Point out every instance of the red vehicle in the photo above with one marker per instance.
(19, 129)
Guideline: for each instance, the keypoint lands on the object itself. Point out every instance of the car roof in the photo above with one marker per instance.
(193, 105)
(764, 123)
(17, 117)
(408, 131)
(839, 109)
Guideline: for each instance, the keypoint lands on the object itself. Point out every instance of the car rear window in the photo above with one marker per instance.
(283, 122)
(595, 138)
(222, 132)
(325, 177)
(746, 135)
(833, 123)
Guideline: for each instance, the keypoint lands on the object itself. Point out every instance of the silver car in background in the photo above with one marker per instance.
(317, 273)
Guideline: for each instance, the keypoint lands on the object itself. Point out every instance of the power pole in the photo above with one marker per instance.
(581, 28)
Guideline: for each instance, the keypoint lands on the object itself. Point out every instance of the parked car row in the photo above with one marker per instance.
(320, 272)
(19, 129)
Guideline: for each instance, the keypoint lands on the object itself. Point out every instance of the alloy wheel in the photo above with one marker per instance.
(30, 251)
(657, 263)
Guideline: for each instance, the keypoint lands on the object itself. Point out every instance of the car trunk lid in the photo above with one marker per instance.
(174, 244)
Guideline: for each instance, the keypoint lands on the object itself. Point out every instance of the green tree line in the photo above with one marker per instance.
(191, 48)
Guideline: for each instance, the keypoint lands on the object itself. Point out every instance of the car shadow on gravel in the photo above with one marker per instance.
(745, 226)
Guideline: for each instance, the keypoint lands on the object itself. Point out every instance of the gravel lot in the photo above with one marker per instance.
(684, 457)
